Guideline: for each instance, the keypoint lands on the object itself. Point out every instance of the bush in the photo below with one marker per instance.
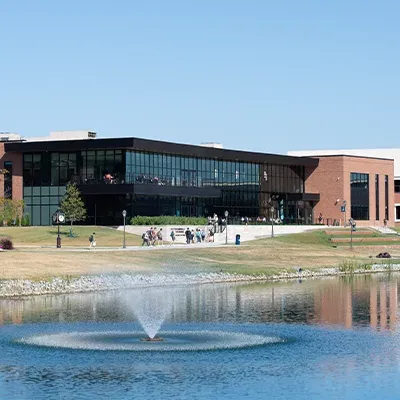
(6, 244)
(25, 220)
(168, 220)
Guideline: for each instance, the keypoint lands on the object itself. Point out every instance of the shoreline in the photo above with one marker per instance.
(17, 288)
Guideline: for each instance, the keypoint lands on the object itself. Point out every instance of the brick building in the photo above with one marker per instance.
(363, 186)
(376, 161)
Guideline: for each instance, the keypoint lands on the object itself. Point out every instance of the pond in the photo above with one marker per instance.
(326, 338)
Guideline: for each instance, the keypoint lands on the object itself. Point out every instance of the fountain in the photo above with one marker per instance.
(151, 306)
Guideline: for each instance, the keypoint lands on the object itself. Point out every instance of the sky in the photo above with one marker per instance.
(258, 75)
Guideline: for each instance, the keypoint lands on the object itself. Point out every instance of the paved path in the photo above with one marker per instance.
(196, 246)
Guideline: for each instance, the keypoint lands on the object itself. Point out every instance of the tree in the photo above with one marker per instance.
(11, 211)
(72, 205)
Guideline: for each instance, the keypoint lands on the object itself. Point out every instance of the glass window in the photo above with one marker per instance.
(397, 213)
(359, 194)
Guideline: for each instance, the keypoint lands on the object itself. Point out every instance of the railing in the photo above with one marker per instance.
(142, 179)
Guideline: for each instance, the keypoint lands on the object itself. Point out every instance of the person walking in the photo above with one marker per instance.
(203, 235)
(154, 236)
(145, 237)
(172, 235)
(198, 236)
(188, 234)
(92, 241)
(160, 238)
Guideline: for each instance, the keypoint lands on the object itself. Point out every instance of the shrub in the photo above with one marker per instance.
(168, 220)
(25, 220)
(17, 221)
(6, 244)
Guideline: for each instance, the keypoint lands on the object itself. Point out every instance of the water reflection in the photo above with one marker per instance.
(342, 301)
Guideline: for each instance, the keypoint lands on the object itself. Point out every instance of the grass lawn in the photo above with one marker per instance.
(46, 236)
(310, 250)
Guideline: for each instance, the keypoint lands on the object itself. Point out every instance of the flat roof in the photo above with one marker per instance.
(386, 153)
(353, 156)
(156, 146)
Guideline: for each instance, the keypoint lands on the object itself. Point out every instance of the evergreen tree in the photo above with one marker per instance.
(72, 205)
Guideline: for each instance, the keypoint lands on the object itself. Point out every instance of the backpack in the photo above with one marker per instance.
(143, 235)
(91, 238)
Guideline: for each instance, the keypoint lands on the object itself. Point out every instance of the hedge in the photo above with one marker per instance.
(168, 220)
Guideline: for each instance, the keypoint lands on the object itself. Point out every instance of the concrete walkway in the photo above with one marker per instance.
(246, 232)
(384, 230)
(196, 246)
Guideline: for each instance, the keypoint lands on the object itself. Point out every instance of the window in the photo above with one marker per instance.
(397, 185)
(386, 197)
(359, 193)
(8, 180)
(397, 212)
(377, 197)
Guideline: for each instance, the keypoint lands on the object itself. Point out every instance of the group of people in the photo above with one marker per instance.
(196, 236)
(108, 178)
(152, 237)
(216, 222)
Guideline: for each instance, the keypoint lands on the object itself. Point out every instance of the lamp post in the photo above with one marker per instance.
(58, 219)
(272, 221)
(351, 232)
(226, 227)
(124, 215)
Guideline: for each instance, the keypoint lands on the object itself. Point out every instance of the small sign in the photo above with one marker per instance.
(343, 208)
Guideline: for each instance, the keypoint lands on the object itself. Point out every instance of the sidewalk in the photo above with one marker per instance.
(196, 246)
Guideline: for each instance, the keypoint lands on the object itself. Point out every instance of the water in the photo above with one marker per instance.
(332, 338)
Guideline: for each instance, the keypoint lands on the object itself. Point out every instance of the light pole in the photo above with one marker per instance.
(58, 219)
(351, 232)
(124, 215)
(226, 227)
(272, 221)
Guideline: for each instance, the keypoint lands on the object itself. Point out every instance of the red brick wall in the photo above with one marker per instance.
(332, 180)
(16, 159)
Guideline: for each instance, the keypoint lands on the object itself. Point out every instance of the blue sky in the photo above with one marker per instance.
(260, 75)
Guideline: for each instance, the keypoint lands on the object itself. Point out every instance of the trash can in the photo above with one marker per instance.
(237, 241)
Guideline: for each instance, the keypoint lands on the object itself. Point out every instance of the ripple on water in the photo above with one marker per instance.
(130, 341)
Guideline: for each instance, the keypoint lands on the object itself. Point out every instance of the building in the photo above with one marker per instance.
(148, 177)
(376, 157)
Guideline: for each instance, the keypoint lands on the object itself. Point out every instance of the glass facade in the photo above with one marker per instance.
(164, 184)
(359, 193)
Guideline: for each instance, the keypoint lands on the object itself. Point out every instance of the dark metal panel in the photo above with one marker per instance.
(311, 196)
(303, 196)
(105, 189)
(159, 147)
(175, 191)
(70, 145)
(222, 154)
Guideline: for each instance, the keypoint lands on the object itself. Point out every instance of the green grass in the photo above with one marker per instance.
(46, 235)
(316, 237)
